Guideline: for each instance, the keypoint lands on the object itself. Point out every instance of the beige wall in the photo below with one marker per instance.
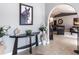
(67, 20)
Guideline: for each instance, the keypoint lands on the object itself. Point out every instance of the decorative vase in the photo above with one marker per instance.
(43, 38)
(28, 32)
(16, 31)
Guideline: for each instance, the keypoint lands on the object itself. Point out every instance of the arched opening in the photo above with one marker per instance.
(59, 16)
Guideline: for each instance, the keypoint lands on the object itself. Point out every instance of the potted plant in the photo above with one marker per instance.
(28, 32)
(3, 31)
(43, 34)
(42, 28)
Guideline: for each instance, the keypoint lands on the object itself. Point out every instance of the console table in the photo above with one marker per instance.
(15, 48)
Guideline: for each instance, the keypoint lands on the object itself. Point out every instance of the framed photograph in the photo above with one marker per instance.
(26, 14)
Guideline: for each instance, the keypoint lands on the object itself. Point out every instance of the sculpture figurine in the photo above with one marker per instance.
(16, 31)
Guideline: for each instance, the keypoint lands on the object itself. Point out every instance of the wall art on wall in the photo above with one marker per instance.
(26, 14)
(60, 21)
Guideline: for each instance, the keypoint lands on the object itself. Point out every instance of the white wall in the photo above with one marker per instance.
(9, 15)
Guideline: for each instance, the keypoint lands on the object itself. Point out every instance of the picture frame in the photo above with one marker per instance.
(76, 21)
(26, 14)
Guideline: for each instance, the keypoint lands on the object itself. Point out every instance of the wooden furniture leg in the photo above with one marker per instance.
(30, 50)
(37, 40)
(15, 46)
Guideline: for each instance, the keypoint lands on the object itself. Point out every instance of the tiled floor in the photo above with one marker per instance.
(61, 45)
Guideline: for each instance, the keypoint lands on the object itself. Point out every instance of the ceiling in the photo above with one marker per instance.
(63, 10)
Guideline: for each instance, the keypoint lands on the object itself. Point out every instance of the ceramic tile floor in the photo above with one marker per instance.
(61, 45)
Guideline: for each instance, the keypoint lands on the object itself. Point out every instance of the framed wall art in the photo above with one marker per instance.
(26, 14)
(60, 21)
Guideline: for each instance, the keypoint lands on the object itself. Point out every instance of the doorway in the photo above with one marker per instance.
(62, 17)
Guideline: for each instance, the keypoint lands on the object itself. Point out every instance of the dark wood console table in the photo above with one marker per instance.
(30, 41)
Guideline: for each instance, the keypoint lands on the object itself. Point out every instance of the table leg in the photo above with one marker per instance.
(30, 50)
(15, 46)
(36, 40)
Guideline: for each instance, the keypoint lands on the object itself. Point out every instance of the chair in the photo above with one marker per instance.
(60, 30)
(74, 29)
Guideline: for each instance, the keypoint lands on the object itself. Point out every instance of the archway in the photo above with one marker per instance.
(59, 10)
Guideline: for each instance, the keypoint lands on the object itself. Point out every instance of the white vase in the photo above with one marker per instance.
(43, 38)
